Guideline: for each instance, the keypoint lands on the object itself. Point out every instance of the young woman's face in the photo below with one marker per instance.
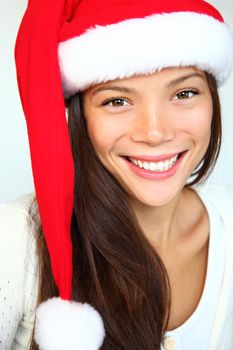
(150, 132)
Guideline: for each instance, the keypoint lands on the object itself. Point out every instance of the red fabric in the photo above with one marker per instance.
(107, 12)
(42, 99)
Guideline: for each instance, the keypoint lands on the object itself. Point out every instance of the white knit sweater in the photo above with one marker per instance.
(19, 275)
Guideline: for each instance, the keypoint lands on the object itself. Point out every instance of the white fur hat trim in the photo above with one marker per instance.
(65, 325)
(146, 45)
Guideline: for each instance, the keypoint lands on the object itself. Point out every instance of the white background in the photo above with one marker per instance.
(15, 171)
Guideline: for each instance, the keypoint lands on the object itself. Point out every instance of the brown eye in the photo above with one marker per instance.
(185, 94)
(116, 102)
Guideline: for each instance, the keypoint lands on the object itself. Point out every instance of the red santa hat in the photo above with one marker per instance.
(64, 46)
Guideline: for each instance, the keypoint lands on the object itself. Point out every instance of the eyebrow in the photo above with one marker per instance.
(132, 90)
(113, 88)
(179, 80)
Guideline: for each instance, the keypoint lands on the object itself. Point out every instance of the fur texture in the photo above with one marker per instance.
(142, 46)
(63, 325)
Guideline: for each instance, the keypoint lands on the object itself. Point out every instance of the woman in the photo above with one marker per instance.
(151, 253)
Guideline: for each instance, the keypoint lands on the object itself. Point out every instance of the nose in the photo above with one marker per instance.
(152, 126)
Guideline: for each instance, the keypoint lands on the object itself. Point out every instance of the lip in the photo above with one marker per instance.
(154, 158)
(152, 175)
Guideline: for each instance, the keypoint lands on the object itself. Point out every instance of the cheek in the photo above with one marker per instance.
(96, 134)
(198, 125)
(203, 127)
(104, 132)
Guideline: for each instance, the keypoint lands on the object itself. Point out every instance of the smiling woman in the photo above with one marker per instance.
(153, 127)
(126, 232)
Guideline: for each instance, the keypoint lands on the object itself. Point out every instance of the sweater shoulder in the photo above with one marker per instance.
(18, 271)
(18, 229)
(221, 197)
(20, 206)
(17, 214)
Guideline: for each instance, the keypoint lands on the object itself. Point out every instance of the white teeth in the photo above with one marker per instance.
(155, 166)
(152, 166)
(160, 166)
(140, 164)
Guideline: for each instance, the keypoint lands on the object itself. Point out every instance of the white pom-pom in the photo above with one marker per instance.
(65, 325)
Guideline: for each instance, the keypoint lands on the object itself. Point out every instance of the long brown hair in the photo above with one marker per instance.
(116, 269)
(206, 165)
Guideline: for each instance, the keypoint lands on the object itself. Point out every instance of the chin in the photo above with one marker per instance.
(155, 200)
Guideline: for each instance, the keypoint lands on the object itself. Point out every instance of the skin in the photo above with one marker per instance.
(168, 112)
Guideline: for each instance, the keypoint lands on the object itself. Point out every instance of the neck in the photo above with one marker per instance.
(160, 224)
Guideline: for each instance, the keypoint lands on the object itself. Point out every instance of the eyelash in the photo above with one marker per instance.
(110, 101)
(189, 91)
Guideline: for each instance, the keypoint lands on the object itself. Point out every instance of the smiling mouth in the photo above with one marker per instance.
(158, 167)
